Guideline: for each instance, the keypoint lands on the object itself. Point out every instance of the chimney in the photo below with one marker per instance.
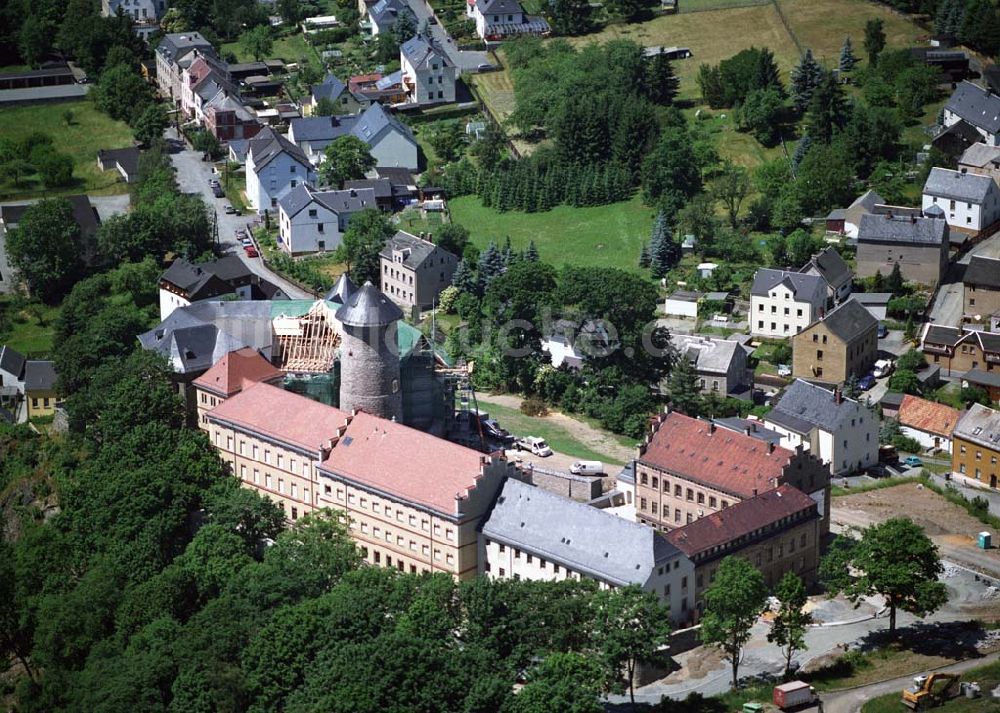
(913, 220)
(747, 430)
(755, 492)
(888, 214)
(354, 193)
(711, 427)
(838, 396)
(770, 447)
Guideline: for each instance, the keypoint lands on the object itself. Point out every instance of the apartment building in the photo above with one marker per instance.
(175, 53)
(428, 75)
(783, 303)
(537, 535)
(777, 531)
(918, 245)
(414, 271)
(842, 344)
(841, 432)
(976, 445)
(981, 284)
(970, 202)
(688, 469)
(958, 351)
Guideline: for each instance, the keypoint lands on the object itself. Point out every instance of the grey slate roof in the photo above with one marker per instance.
(849, 320)
(901, 229)
(415, 249)
(980, 155)
(39, 376)
(178, 44)
(754, 429)
(330, 88)
(980, 425)
(374, 120)
(766, 279)
(969, 187)
(342, 290)
(583, 538)
(980, 376)
(385, 12)
(368, 307)
(209, 279)
(346, 201)
(269, 144)
(11, 361)
(976, 105)
(983, 272)
(804, 406)
(499, 7)
(380, 186)
(420, 53)
(831, 267)
(322, 128)
(708, 353)
(940, 334)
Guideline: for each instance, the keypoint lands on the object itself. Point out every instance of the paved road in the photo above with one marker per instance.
(852, 701)
(193, 176)
(947, 307)
(466, 61)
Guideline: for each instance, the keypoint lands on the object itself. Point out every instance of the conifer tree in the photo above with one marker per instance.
(644, 256)
(661, 82)
(805, 78)
(847, 57)
(507, 254)
(465, 278)
(531, 254)
(663, 250)
(490, 265)
(767, 74)
(827, 110)
(801, 150)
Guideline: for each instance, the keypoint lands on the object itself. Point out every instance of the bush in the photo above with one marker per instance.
(534, 406)
(446, 300)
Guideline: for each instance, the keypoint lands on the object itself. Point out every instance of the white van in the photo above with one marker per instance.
(536, 445)
(883, 367)
(587, 467)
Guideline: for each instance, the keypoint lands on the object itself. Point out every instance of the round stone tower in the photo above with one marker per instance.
(369, 355)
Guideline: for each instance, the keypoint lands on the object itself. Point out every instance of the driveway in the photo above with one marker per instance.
(193, 176)
(947, 308)
(467, 61)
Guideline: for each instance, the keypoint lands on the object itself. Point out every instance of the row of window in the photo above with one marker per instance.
(399, 564)
(277, 459)
(679, 492)
(979, 454)
(401, 542)
(268, 482)
(397, 274)
(774, 326)
(386, 508)
(774, 310)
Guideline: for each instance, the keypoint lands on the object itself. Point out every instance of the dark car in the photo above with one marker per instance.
(492, 430)
(217, 191)
(866, 382)
(883, 331)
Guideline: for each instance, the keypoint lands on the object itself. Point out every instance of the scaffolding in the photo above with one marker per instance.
(308, 344)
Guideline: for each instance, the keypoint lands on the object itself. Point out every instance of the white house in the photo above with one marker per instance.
(311, 221)
(929, 423)
(174, 54)
(840, 431)
(383, 14)
(570, 343)
(428, 75)
(536, 535)
(976, 106)
(145, 14)
(11, 371)
(783, 303)
(275, 167)
(969, 202)
(501, 19)
(390, 141)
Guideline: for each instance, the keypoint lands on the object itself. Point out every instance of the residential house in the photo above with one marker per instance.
(777, 531)
(842, 344)
(981, 159)
(957, 351)
(928, 422)
(184, 282)
(531, 534)
(918, 245)
(837, 274)
(343, 100)
(498, 20)
(414, 271)
(275, 167)
(125, 161)
(689, 468)
(230, 375)
(975, 447)
(375, 87)
(570, 343)
(971, 203)
(847, 220)
(952, 141)
(311, 221)
(383, 14)
(981, 285)
(40, 388)
(11, 375)
(201, 81)
(404, 185)
(145, 14)
(390, 142)
(976, 106)
(841, 432)
(227, 119)
(721, 364)
(783, 303)
(174, 54)
(988, 381)
(380, 187)
(428, 75)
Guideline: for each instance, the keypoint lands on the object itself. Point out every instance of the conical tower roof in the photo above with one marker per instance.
(368, 307)
(342, 290)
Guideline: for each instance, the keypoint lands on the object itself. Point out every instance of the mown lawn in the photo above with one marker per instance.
(606, 236)
(987, 676)
(560, 438)
(91, 130)
(290, 48)
(29, 330)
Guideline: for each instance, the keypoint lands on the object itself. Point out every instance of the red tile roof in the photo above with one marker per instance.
(740, 519)
(928, 416)
(403, 462)
(717, 457)
(226, 376)
(281, 416)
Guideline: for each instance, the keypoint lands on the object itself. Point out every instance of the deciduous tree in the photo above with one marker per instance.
(733, 603)
(874, 39)
(789, 626)
(45, 248)
(347, 158)
(257, 42)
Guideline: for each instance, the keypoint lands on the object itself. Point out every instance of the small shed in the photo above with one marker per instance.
(688, 245)
(706, 269)
(875, 302)
(682, 303)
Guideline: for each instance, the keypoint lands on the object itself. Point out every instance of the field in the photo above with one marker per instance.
(290, 48)
(28, 330)
(605, 236)
(91, 130)
(988, 678)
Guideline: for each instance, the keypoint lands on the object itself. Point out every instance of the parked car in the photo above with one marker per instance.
(535, 445)
(883, 331)
(251, 251)
(912, 462)
(244, 241)
(217, 191)
(493, 430)
(883, 367)
(866, 382)
(587, 467)
(230, 210)
(878, 471)
(485, 67)
(784, 370)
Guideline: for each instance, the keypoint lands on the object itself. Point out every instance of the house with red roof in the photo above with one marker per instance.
(777, 531)
(928, 422)
(230, 375)
(689, 469)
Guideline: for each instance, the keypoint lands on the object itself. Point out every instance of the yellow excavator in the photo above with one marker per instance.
(930, 690)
